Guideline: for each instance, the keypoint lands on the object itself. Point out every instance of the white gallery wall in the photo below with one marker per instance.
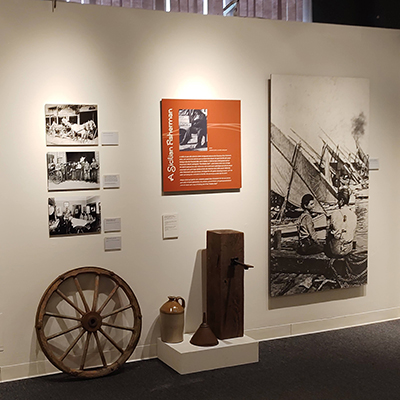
(126, 61)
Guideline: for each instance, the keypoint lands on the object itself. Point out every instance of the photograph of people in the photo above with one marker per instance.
(319, 188)
(342, 227)
(74, 215)
(71, 124)
(192, 130)
(308, 238)
(73, 170)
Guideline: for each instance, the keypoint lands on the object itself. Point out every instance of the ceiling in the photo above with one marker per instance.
(374, 13)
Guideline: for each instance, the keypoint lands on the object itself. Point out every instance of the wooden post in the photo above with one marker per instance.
(225, 288)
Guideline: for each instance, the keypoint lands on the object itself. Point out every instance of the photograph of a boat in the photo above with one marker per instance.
(318, 191)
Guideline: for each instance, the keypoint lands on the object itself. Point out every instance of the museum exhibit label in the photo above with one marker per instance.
(200, 145)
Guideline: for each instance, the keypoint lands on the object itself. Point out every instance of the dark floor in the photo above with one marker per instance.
(360, 363)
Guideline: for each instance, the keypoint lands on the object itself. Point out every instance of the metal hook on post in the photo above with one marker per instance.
(235, 261)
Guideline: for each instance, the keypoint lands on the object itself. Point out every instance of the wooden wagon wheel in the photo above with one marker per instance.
(88, 322)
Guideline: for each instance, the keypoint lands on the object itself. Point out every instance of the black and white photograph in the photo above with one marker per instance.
(73, 170)
(193, 130)
(77, 215)
(71, 125)
(319, 181)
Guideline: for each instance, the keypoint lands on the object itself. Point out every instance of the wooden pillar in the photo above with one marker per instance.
(225, 288)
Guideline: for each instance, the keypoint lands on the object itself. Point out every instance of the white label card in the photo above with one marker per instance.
(373, 164)
(109, 139)
(111, 181)
(112, 224)
(170, 226)
(112, 243)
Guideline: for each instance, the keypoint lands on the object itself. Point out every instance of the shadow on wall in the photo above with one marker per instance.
(196, 303)
(38, 363)
(151, 339)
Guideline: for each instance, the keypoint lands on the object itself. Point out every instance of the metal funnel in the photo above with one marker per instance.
(204, 336)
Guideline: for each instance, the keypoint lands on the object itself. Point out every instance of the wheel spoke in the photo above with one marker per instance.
(96, 292)
(72, 345)
(118, 311)
(119, 327)
(49, 314)
(111, 340)
(108, 299)
(103, 360)
(59, 292)
(85, 350)
(78, 286)
(63, 332)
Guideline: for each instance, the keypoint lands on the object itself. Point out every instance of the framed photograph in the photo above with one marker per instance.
(319, 179)
(200, 145)
(73, 170)
(71, 125)
(77, 215)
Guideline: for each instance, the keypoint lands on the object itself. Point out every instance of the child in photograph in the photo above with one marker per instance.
(308, 240)
(342, 227)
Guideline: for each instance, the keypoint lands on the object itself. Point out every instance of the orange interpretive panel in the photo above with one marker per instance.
(200, 145)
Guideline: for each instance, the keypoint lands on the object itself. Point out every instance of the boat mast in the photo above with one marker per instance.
(293, 165)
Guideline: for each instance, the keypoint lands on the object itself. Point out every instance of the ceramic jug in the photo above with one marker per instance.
(172, 319)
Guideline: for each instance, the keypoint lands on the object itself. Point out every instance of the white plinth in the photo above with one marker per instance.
(186, 358)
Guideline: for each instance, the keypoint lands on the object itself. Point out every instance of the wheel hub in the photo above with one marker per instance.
(91, 321)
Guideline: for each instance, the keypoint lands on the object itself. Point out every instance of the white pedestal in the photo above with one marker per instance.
(186, 358)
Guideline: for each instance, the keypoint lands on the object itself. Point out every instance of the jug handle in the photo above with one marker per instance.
(182, 301)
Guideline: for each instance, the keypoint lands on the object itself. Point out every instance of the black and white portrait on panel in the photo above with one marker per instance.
(73, 170)
(71, 124)
(193, 130)
(319, 183)
(74, 215)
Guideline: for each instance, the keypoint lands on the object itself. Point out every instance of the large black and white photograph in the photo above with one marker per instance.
(319, 181)
(77, 215)
(193, 130)
(71, 124)
(73, 170)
